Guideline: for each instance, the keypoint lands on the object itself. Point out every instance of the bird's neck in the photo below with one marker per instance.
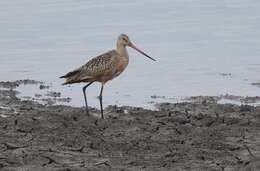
(122, 51)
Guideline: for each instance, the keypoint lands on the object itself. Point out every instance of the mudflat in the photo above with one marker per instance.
(197, 135)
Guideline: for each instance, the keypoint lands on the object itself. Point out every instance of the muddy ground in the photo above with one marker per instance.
(199, 135)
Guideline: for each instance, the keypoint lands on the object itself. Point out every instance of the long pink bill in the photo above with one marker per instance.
(134, 47)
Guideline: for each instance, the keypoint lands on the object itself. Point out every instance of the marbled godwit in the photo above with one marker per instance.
(103, 68)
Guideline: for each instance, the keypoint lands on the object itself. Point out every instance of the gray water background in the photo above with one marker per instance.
(194, 41)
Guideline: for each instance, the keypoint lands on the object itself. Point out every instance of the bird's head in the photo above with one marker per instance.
(123, 40)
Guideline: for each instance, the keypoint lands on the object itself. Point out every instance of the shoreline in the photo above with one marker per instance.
(196, 135)
(46, 94)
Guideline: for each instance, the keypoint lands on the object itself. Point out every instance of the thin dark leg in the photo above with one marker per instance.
(85, 97)
(100, 100)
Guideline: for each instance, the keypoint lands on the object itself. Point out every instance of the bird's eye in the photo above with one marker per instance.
(124, 39)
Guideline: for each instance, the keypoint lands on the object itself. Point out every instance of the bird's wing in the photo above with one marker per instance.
(92, 69)
(99, 64)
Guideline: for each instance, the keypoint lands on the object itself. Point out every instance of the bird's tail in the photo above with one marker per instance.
(76, 77)
(70, 74)
(72, 80)
(69, 77)
(64, 76)
(69, 81)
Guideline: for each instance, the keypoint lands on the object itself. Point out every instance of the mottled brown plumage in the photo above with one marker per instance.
(103, 68)
(94, 69)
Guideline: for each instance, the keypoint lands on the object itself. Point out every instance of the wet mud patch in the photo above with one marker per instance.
(15, 84)
(227, 98)
(43, 92)
(225, 74)
(201, 135)
(257, 84)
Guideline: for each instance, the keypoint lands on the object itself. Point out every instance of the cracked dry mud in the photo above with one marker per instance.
(185, 136)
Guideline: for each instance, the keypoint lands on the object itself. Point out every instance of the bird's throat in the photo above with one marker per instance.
(122, 51)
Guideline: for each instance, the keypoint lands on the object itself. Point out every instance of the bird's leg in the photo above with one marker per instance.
(100, 100)
(85, 97)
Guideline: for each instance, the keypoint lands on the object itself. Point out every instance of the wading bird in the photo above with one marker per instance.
(103, 68)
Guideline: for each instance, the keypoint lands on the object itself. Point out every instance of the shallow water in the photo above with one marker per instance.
(193, 41)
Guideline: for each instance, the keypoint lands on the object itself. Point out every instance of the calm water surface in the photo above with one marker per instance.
(193, 40)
